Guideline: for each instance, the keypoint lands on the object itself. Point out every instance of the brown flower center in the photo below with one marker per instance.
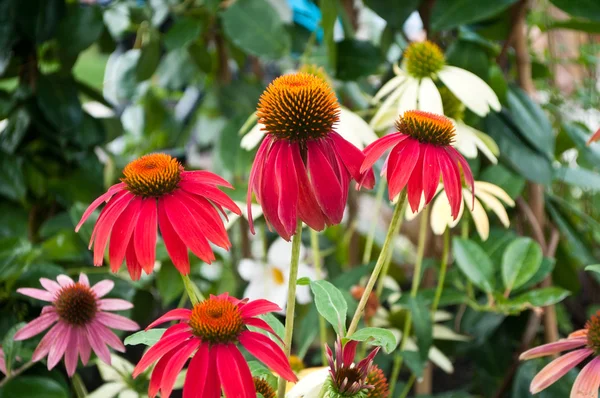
(76, 304)
(152, 175)
(216, 320)
(593, 333)
(263, 387)
(427, 127)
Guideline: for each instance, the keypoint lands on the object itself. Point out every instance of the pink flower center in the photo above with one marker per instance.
(216, 320)
(429, 128)
(593, 333)
(152, 175)
(76, 304)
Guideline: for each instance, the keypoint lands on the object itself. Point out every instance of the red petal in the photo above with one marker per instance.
(269, 193)
(102, 198)
(401, 165)
(353, 158)
(258, 307)
(175, 247)
(285, 173)
(431, 172)
(205, 177)
(105, 225)
(451, 179)
(415, 183)
(121, 233)
(133, 265)
(114, 200)
(308, 207)
(175, 365)
(202, 380)
(349, 352)
(374, 150)
(254, 178)
(161, 348)
(207, 217)
(268, 352)
(259, 323)
(326, 185)
(173, 315)
(234, 373)
(145, 234)
(212, 193)
(465, 169)
(159, 370)
(594, 137)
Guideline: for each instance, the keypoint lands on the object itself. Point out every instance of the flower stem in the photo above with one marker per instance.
(314, 244)
(16, 372)
(408, 386)
(390, 255)
(396, 218)
(371, 237)
(443, 269)
(291, 300)
(192, 290)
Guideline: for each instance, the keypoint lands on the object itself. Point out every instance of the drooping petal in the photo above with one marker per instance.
(116, 321)
(401, 163)
(470, 89)
(287, 183)
(259, 323)
(451, 179)
(121, 233)
(484, 186)
(109, 337)
(441, 215)
(133, 265)
(212, 193)
(45, 343)
(326, 184)
(466, 169)
(175, 247)
(429, 96)
(205, 177)
(105, 226)
(587, 382)
(268, 352)
(71, 352)
(102, 198)
(98, 345)
(163, 346)
(114, 305)
(159, 370)
(553, 348)
(38, 294)
(353, 158)
(202, 379)
(103, 287)
(254, 178)
(85, 349)
(496, 206)
(207, 217)
(480, 218)
(144, 236)
(308, 207)
(258, 307)
(408, 99)
(59, 345)
(431, 172)
(414, 187)
(37, 326)
(374, 151)
(175, 365)
(557, 369)
(173, 315)
(234, 373)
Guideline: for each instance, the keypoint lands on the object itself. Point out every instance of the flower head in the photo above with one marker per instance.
(584, 343)
(421, 153)
(263, 387)
(81, 321)
(303, 167)
(210, 332)
(424, 59)
(156, 192)
(347, 378)
(377, 379)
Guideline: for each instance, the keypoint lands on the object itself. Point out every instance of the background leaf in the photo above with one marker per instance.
(376, 336)
(521, 260)
(474, 263)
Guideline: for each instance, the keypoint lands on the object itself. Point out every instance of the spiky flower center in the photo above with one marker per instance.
(348, 382)
(152, 175)
(453, 108)
(298, 107)
(76, 304)
(377, 379)
(263, 387)
(423, 59)
(427, 127)
(216, 320)
(593, 333)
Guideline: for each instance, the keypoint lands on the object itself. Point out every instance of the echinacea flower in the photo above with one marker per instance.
(263, 388)
(81, 321)
(210, 333)
(414, 86)
(269, 280)
(157, 192)
(421, 153)
(585, 343)
(490, 195)
(303, 167)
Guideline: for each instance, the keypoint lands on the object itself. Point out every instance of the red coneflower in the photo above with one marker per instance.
(82, 323)
(346, 377)
(156, 191)
(211, 332)
(421, 153)
(303, 167)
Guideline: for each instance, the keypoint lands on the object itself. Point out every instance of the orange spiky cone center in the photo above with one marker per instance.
(216, 320)
(593, 333)
(427, 127)
(152, 175)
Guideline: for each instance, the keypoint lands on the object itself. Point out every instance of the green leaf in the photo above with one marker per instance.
(545, 269)
(80, 28)
(521, 260)
(394, 13)
(117, 19)
(449, 14)
(538, 298)
(34, 387)
(201, 57)
(469, 55)
(421, 319)
(329, 11)
(331, 304)
(11, 347)
(58, 99)
(149, 59)
(474, 263)
(12, 179)
(65, 246)
(589, 9)
(169, 284)
(182, 33)
(593, 268)
(499, 175)
(255, 27)
(579, 177)
(146, 337)
(575, 24)
(377, 336)
(305, 281)
(18, 124)
(176, 70)
(356, 59)
(414, 362)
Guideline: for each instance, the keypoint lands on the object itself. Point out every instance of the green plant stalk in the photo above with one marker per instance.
(443, 270)
(408, 386)
(396, 218)
(192, 290)
(314, 244)
(291, 301)
(371, 236)
(390, 255)
(416, 281)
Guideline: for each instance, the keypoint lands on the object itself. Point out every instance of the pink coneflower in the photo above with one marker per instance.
(346, 377)
(211, 332)
(156, 191)
(421, 153)
(82, 325)
(2, 362)
(303, 167)
(587, 342)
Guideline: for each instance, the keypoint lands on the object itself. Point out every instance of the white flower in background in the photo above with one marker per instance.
(98, 110)
(491, 195)
(414, 86)
(257, 212)
(310, 383)
(270, 280)
(119, 381)
(413, 28)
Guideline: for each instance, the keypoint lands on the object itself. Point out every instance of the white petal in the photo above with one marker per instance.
(441, 316)
(388, 87)
(133, 394)
(310, 385)
(303, 295)
(441, 214)
(386, 114)
(251, 139)
(263, 289)
(280, 254)
(430, 99)
(250, 269)
(354, 129)
(107, 390)
(494, 204)
(464, 140)
(408, 100)
(470, 89)
(98, 109)
(494, 190)
(480, 218)
(487, 146)
(441, 332)
(441, 360)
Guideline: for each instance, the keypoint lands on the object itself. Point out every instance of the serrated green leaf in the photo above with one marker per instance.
(145, 337)
(377, 336)
(331, 304)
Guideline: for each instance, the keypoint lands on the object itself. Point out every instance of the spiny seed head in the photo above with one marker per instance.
(427, 127)
(216, 320)
(593, 333)
(423, 59)
(298, 107)
(263, 387)
(377, 379)
(152, 175)
(76, 304)
(453, 108)
(348, 382)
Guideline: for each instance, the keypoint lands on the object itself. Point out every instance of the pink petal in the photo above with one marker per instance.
(162, 347)
(234, 373)
(202, 379)
(133, 265)
(401, 163)
(253, 179)
(259, 323)
(285, 173)
(159, 370)
(349, 352)
(374, 150)
(114, 305)
(105, 226)
(553, 348)
(83, 279)
(326, 184)
(36, 293)
(173, 315)
(65, 280)
(205, 177)
(353, 158)
(46, 343)
(85, 350)
(109, 337)
(175, 247)
(587, 382)
(59, 345)
(144, 238)
(37, 326)
(102, 198)
(50, 285)
(557, 369)
(121, 233)
(175, 365)
(431, 172)
(268, 352)
(103, 287)
(258, 307)
(115, 321)
(96, 343)
(71, 352)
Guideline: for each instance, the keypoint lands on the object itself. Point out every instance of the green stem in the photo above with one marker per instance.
(408, 386)
(192, 290)
(16, 372)
(291, 301)
(314, 243)
(390, 255)
(371, 236)
(443, 269)
(396, 218)
(416, 281)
